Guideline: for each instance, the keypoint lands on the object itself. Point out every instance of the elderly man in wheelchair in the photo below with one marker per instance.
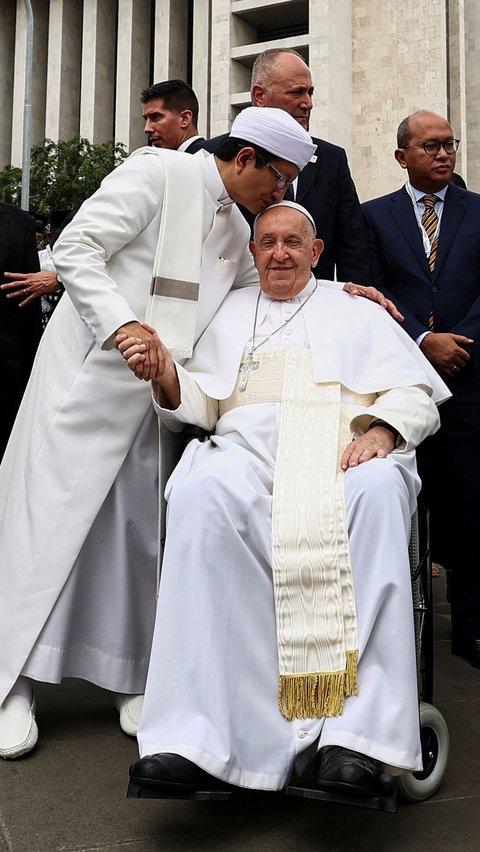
(284, 638)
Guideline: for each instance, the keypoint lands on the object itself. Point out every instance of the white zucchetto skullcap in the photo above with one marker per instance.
(294, 206)
(276, 131)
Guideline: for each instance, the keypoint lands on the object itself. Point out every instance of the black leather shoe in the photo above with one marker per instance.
(468, 648)
(347, 771)
(173, 773)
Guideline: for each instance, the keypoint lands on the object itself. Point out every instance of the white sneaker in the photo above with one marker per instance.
(130, 708)
(18, 728)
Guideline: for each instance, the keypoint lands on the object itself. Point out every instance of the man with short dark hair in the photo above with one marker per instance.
(424, 246)
(170, 111)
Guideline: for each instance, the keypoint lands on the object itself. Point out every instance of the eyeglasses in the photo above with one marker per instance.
(432, 147)
(281, 180)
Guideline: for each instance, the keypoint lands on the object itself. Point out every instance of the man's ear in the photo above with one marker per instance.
(251, 246)
(317, 249)
(186, 116)
(400, 157)
(258, 95)
(243, 158)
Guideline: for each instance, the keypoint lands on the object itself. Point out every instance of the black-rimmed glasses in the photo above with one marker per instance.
(432, 147)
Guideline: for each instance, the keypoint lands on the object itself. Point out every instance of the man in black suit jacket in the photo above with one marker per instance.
(431, 268)
(170, 111)
(280, 78)
(20, 328)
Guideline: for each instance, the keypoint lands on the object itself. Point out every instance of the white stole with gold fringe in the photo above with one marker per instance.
(314, 596)
(312, 576)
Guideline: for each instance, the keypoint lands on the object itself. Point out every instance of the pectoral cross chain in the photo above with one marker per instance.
(246, 368)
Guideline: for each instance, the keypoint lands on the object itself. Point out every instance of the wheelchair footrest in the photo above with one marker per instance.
(135, 791)
(386, 800)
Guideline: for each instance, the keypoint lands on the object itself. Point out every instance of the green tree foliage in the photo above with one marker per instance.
(11, 185)
(63, 174)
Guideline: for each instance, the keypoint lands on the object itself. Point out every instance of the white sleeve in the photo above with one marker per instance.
(126, 202)
(195, 407)
(410, 410)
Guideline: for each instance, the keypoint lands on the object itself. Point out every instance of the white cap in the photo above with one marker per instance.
(294, 206)
(276, 131)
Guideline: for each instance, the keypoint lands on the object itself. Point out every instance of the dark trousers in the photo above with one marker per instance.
(449, 465)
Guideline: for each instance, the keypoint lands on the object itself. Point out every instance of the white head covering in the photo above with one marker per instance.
(276, 131)
(294, 206)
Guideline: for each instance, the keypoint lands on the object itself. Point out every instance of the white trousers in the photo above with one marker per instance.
(212, 684)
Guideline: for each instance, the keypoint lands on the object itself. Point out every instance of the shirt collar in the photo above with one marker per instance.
(418, 194)
(307, 291)
(214, 182)
(187, 142)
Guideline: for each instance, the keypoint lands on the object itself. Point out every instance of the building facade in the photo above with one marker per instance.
(372, 64)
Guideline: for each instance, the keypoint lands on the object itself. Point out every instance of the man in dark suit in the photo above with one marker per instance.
(20, 328)
(280, 78)
(170, 111)
(424, 245)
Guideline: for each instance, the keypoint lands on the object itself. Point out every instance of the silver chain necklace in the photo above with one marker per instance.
(247, 366)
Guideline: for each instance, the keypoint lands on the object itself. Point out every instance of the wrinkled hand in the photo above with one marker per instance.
(30, 285)
(146, 366)
(376, 443)
(134, 351)
(445, 351)
(375, 296)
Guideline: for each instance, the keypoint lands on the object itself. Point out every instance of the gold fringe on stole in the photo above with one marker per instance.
(313, 695)
(351, 682)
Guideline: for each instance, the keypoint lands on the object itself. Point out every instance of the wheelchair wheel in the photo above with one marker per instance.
(418, 786)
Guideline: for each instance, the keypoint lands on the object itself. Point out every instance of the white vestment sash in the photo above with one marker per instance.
(172, 308)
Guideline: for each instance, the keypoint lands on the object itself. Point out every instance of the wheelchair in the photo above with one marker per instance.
(435, 741)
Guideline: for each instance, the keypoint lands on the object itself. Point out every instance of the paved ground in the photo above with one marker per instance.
(70, 793)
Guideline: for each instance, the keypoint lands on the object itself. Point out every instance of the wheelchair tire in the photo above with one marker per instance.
(418, 786)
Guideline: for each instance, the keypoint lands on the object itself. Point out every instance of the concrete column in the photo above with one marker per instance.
(63, 74)
(39, 81)
(330, 61)
(201, 62)
(472, 67)
(98, 70)
(220, 80)
(457, 100)
(7, 53)
(399, 66)
(133, 70)
(170, 58)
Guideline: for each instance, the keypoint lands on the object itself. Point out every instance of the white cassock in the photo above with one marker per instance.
(211, 694)
(78, 482)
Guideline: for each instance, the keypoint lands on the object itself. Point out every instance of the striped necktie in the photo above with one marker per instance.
(430, 223)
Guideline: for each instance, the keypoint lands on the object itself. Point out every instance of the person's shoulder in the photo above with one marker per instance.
(341, 303)
(16, 214)
(382, 200)
(461, 194)
(240, 297)
(214, 143)
(328, 147)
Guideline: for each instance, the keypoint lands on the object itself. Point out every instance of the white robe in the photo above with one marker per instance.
(80, 418)
(212, 695)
